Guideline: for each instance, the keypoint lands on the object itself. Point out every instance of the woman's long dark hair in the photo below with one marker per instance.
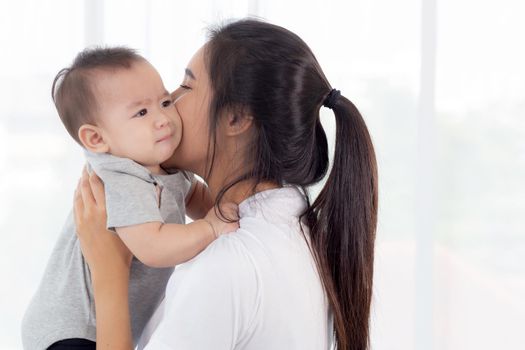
(269, 73)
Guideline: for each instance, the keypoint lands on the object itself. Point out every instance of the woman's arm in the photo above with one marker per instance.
(112, 310)
(109, 261)
(199, 201)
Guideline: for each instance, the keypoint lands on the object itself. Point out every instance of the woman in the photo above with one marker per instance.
(250, 105)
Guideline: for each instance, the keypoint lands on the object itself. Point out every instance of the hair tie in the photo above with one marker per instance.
(331, 98)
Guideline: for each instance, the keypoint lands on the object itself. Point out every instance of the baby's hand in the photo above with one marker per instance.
(230, 212)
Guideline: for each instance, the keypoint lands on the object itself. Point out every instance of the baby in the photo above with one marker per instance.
(114, 104)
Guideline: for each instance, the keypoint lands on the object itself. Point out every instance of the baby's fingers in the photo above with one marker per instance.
(230, 211)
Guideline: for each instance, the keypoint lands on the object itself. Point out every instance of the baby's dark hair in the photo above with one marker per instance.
(72, 90)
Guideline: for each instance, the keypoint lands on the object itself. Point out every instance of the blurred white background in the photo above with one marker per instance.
(441, 84)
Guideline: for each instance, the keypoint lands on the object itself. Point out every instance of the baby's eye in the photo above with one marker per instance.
(167, 103)
(142, 113)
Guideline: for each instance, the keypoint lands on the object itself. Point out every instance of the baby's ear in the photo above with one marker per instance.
(92, 138)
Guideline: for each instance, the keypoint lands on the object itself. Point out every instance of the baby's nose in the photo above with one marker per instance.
(161, 121)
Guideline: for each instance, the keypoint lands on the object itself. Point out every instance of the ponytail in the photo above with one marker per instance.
(342, 224)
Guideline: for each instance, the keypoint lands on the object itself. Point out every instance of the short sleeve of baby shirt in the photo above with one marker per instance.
(130, 188)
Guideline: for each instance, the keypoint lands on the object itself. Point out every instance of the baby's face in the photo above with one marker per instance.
(136, 114)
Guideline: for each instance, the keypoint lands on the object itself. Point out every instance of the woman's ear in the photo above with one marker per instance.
(92, 138)
(236, 124)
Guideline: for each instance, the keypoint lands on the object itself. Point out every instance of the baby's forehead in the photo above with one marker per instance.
(127, 90)
(101, 75)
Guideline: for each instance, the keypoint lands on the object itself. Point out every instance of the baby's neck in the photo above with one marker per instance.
(156, 169)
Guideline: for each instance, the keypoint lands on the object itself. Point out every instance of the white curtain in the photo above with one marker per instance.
(440, 83)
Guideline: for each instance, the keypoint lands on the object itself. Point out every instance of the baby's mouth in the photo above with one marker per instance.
(167, 137)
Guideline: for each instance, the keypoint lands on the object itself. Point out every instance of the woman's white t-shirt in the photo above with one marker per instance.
(256, 289)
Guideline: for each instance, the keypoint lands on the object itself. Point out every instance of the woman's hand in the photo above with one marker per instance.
(109, 261)
(103, 250)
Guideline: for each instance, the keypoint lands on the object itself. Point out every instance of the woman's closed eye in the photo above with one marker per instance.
(179, 92)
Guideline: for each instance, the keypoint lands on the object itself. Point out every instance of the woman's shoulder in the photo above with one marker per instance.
(226, 265)
(228, 254)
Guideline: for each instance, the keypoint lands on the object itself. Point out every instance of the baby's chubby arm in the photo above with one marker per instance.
(165, 245)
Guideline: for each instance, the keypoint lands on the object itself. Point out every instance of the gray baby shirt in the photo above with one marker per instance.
(63, 306)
